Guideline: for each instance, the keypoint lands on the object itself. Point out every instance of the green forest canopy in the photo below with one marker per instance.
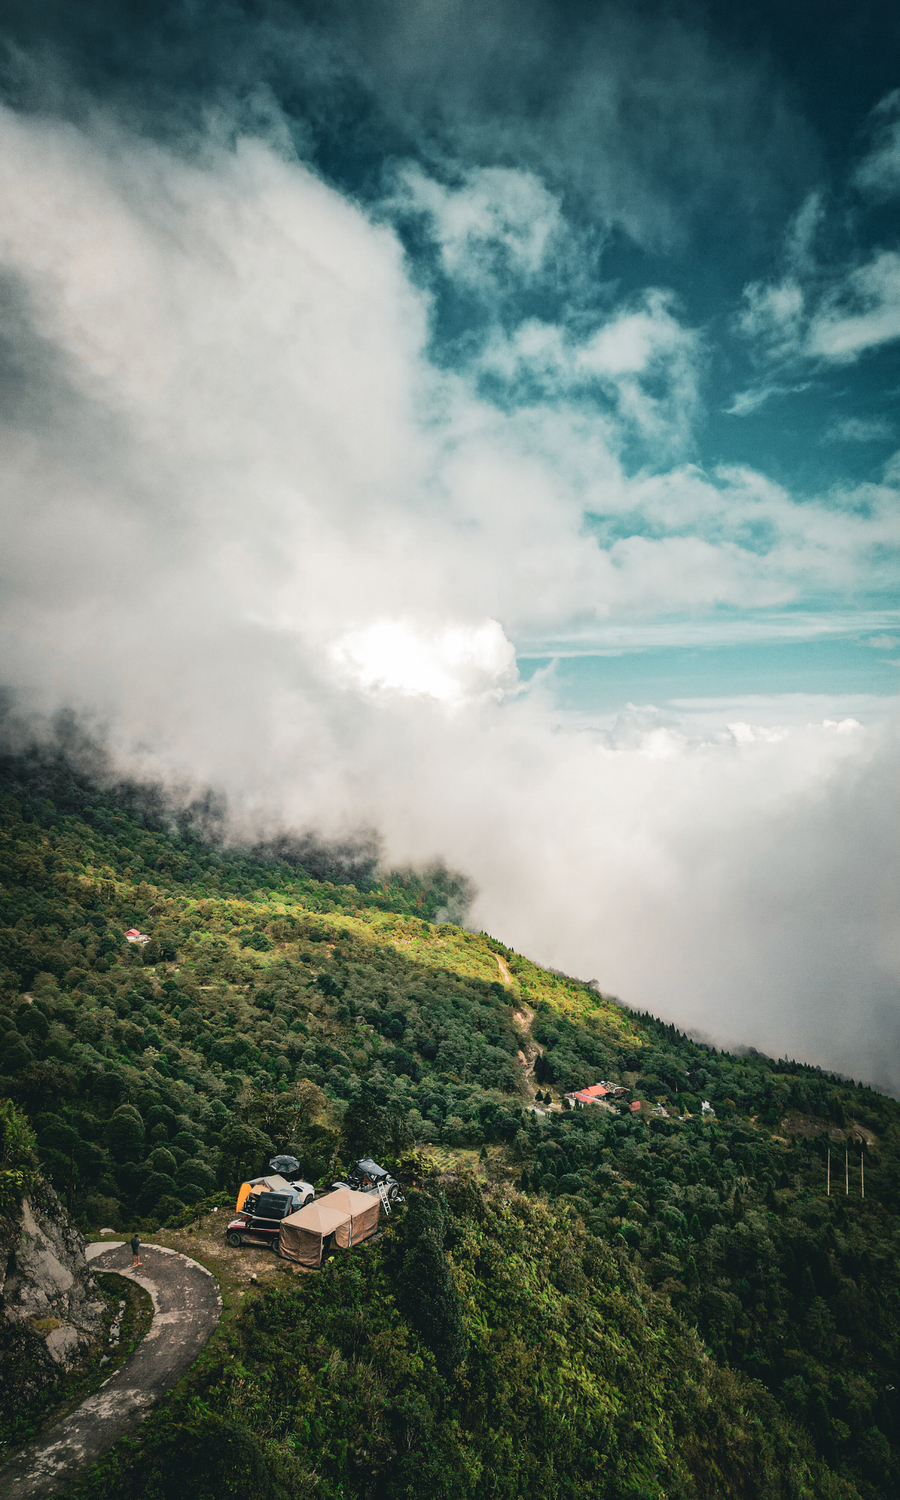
(712, 1301)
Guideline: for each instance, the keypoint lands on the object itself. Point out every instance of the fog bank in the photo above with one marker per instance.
(259, 536)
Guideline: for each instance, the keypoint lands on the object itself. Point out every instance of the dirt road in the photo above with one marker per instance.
(530, 1050)
(186, 1305)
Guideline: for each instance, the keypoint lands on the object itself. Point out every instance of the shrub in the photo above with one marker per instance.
(215, 1457)
(155, 1185)
(101, 1210)
(196, 1174)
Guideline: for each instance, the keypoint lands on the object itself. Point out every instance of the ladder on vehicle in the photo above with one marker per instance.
(382, 1193)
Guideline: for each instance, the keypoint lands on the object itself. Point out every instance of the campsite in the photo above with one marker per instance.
(285, 1215)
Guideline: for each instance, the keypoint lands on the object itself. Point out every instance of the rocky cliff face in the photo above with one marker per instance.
(51, 1310)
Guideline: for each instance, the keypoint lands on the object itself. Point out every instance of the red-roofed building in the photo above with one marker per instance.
(635, 1106)
(593, 1095)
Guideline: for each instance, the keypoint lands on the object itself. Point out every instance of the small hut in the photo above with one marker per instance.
(342, 1218)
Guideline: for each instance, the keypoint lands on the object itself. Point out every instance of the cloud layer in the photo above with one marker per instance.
(256, 529)
(824, 309)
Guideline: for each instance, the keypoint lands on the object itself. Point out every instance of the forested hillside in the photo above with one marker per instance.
(644, 1304)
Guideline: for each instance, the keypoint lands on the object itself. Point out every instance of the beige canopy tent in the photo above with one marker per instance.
(273, 1184)
(346, 1215)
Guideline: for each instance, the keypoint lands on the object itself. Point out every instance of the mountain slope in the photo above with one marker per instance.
(270, 1009)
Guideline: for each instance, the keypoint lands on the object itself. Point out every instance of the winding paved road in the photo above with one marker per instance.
(186, 1308)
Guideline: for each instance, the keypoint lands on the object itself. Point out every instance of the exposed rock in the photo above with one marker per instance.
(51, 1310)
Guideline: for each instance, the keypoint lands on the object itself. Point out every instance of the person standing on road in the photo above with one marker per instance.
(135, 1251)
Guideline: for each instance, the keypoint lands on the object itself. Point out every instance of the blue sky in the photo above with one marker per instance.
(480, 422)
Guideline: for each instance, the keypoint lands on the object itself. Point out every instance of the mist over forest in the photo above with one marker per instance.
(688, 1262)
(449, 713)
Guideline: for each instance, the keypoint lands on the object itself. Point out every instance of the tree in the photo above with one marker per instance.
(280, 1113)
(363, 1125)
(17, 1143)
(162, 1160)
(544, 1071)
(155, 1185)
(310, 1101)
(16, 1054)
(245, 1149)
(370, 1128)
(196, 1174)
(48, 1080)
(428, 1295)
(217, 1456)
(125, 1133)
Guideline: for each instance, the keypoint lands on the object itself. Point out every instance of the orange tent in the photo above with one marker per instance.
(260, 1185)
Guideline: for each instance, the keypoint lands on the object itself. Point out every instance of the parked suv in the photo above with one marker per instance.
(259, 1221)
(367, 1177)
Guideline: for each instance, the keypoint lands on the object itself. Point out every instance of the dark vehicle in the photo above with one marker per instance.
(259, 1221)
(368, 1177)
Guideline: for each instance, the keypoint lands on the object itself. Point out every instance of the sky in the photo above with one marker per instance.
(479, 423)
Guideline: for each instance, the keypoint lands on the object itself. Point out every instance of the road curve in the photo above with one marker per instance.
(186, 1309)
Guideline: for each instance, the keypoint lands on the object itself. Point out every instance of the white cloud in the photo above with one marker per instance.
(751, 734)
(772, 315)
(857, 311)
(802, 232)
(643, 117)
(501, 230)
(452, 665)
(635, 342)
(763, 627)
(861, 313)
(743, 403)
(245, 393)
(879, 172)
(814, 313)
(726, 883)
(499, 224)
(859, 430)
(643, 360)
(250, 526)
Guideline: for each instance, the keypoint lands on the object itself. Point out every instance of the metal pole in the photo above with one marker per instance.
(828, 1188)
(862, 1174)
(847, 1173)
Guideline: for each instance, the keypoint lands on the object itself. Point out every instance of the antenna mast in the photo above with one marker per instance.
(828, 1178)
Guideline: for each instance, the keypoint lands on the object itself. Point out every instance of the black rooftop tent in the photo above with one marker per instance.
(369, 1168)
